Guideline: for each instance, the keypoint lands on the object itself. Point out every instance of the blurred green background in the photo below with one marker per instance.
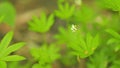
(63, 33)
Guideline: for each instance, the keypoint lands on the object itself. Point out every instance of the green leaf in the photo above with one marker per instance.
(84, 15)
(95, 42)
(112, 40)
(5, 50)
(13, 58)
(113, 33)
(79, 45)
(45, 54)
(98, 60)
(12, 48)
(110, 4)
(42, 24)
(65, 11)
(89, 40)
(51, 21)
(8, 11)
(3, 64)
(35, 53)
(5, 41)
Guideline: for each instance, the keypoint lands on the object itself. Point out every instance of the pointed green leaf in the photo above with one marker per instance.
(112, 40)
(110, 4)
(5, 41)
(95, 42)
(13, 58)
(113, 33)
(83, 44)
(12, 48)
(89, 40)
(65, 11)
(41, 24)
(61, 8)
(50, 21)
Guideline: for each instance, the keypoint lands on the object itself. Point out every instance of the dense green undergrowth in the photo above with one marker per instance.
(89, 33)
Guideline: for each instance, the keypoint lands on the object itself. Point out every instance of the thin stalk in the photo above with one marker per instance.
(44, 38)
(81, 63)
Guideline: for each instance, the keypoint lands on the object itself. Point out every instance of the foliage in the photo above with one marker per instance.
(81, 46)
(8, 12)
(115, 40)
(41, 24)
(116, 19)
(98, 60)
(65, 11)
(17, 64)
(110, 4)
(5, 50)
(116, 64)
(86, 47)
(84, 15)
(107, 54)
(102, 21)
(45, 55)
(103, 57)
(91, 26)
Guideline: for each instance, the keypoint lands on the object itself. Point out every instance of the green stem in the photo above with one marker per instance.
(81, 62)
(44, 38)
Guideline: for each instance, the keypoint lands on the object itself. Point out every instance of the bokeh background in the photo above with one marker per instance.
(93, 16)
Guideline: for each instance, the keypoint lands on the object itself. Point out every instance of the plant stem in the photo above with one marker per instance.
(82, 63)
(44, 38)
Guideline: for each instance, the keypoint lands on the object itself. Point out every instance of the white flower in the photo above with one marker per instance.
(74, 28)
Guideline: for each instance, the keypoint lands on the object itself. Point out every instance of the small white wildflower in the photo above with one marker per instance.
(74, 28)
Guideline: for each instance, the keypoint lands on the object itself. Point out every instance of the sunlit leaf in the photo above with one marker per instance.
(42, 24)
(65, 11)
(6, 41)
(13, 58)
